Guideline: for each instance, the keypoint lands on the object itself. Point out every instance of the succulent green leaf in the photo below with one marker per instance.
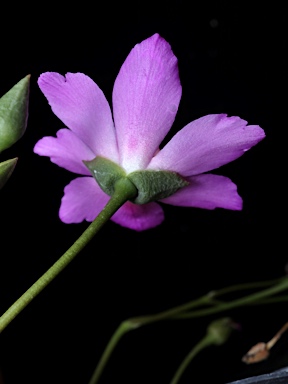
(105, 172)
(6, 169)
(155, 185)
(14, 113)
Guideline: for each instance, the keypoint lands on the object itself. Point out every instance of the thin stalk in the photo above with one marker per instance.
(124, 190)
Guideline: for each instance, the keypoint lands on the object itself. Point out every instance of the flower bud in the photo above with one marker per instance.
(14, 113)
(6, 169)
(220, 330)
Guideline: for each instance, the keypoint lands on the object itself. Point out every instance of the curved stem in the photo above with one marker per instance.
(245, 286)
(170, 313)
(271, 300)
(124, 327)
(246, 300)
(133, 323)
(124, 190)
(179, 313)
(205, 342)
(217, 333)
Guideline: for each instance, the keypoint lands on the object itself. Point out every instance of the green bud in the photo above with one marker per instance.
(219, 330)
(14, 113)
(6, 169)
(151, 185)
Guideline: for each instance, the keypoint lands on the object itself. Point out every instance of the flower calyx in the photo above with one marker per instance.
(151, 184)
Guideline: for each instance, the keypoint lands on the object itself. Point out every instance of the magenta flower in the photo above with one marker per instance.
(146, 96)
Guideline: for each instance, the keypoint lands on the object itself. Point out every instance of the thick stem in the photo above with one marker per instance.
(124, 190)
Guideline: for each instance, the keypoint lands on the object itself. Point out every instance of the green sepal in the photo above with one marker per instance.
(14, 113)
(6, 169)
(105, 172)
(151, 185)
(155, 185)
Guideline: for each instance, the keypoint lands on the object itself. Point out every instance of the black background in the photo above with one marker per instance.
(231, 60)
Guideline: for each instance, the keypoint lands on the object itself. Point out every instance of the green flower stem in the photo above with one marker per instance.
(124, 327)
(124, 190)
(208, 299)
(272, 300)
(256, 297)
(245, 286)
(148, 319)
(179, 313)
(136, 322)
(217, 333)
(205, 342)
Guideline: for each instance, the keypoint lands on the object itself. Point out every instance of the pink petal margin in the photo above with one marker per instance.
(146, 97)
(206, 144)
(81, 105)
(209, 192)
(65, 150)
(83, 200)
(139, 217)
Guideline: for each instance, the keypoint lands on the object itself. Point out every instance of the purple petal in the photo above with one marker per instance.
(139, 217)
(146, 96)
(208, 192)
(83, 108)
(83, 200)
(67, 151)
(206, 144)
